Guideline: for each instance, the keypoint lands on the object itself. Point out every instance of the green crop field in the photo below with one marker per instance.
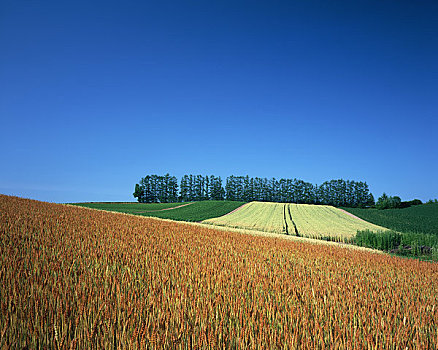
(313, 221)
(419, 219)
(194, 211)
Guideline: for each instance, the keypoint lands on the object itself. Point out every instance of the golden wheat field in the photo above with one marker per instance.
(76, 278)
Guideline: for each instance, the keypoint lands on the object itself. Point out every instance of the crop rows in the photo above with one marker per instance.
(418, 219)
(321, 221)
(196, 211)
(266, 217)
(78, 278)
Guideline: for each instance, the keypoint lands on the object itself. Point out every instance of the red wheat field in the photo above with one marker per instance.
(75, 278)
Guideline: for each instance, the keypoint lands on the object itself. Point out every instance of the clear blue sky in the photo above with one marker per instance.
(95, 95)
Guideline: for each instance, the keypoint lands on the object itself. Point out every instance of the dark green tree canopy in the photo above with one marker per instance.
(388, 202)
(155, 188)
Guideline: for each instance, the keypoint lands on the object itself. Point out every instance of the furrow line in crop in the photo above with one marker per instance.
(293, 222)
(284, 219)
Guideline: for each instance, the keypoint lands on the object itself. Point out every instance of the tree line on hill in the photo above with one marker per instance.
(164, 189)
(157, 189)
(334, 192)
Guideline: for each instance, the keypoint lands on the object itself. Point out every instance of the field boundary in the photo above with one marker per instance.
(354, 216)
(232, 211)
(154, 211)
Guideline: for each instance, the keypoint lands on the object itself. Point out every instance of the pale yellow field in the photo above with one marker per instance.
(259, 216)
(314, 221)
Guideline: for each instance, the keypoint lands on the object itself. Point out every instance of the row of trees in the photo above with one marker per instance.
(164, 189)
(335, 192)
(200, 188)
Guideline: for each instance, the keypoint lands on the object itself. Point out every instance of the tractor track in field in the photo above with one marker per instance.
(293, 222)
(284, 218)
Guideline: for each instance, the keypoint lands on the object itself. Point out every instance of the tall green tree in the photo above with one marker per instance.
(230, 189)
(138, 193)
(217, 191)
(184, 189)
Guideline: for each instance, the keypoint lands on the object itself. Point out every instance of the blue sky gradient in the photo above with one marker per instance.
(95, 95)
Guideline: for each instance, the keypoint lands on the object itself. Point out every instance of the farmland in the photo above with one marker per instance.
(129, 208)
(314, 221)
(77, 278)
(195, 211)
(418, 219)
(266, 217)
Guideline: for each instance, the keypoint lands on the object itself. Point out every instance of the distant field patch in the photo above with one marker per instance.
(196, 211)
(313, 221)
(419, 218)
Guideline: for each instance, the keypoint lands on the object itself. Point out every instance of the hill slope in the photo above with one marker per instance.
(77, 278)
